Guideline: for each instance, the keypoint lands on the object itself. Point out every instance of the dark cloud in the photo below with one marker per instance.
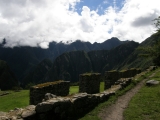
(144, 20)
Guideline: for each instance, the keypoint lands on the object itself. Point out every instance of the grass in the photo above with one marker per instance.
(21, 99)
(13, 100)
(101, 86)
(93, 115)
(75, 89)
(48, 83)
(145, 105)
(89, 74)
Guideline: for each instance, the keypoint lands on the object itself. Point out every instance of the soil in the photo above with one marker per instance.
(115, 111)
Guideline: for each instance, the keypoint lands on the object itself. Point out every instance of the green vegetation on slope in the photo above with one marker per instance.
(147, 53)
(7, 77)
(145, 105)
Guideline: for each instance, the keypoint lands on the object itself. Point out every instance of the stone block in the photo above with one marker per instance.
(110, 78)
(89, 83)
(38, 92)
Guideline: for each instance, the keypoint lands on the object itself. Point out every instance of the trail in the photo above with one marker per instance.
(115, 111)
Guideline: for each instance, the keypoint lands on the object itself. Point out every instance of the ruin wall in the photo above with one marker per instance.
(59, 88)
(113, 76)
(89, 83)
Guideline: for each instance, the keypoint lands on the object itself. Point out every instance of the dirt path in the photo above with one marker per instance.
(115, 111)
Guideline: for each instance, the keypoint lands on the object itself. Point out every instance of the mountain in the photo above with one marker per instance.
(39, 72)
(24, 59)
(69, 65)
(134, 60)
(7, 77)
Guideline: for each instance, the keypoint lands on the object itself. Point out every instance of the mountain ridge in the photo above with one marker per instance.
(24, 59)
(7, 77)
(69, 65)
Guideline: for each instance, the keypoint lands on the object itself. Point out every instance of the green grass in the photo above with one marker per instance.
(75, 89)
(21, 99)
(101, 86)
(93, 115)
(145, 105)
(14, 99)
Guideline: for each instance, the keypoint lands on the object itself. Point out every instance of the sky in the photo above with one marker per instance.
(38, 22)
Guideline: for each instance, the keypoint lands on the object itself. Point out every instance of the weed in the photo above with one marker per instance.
(145, 104)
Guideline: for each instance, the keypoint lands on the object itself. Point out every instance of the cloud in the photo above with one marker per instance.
(144, 20)
(105, 2)
(36, 23)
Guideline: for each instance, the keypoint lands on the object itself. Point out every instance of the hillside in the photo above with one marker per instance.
(7, 77)
(39, 72)
(24, 59)
(69, 65)
(134, 60)
(67, 61)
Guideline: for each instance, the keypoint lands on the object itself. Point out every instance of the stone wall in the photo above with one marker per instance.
(59, 88)
(89, 83)
(70, 107)
(112, 76)
(59, 108)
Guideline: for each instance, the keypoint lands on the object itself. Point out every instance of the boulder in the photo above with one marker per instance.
(3, 113)
(29, 111)
(49, 96)
(152, 82)
(43, 107)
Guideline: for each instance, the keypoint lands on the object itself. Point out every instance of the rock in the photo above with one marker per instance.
(31, 107)
(16, 108)
(2, 113)
(152, 82)
(28, 113)
(5, 93)
(49, 96)
(43, 107)
(15, 112)
(13, 118)
(153, 68)
(4, 118)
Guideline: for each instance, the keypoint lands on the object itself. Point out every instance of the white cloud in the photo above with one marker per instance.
(36, 23)
(105, 2)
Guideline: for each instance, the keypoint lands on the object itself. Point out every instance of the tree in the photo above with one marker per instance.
(4, 41)
(153, 51)
(157, 23)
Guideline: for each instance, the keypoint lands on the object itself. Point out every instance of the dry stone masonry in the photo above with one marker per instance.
(59, 88)
(113, 76)
(110, 78)
(89, 83)
(71, 107)
(60, 108)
